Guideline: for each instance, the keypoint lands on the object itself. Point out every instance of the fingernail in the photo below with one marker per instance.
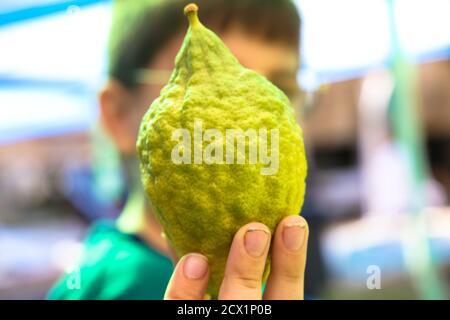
(195, 266)
(294, 233)
(256, 241)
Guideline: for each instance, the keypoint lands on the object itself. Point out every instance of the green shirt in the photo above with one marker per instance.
(115, 265)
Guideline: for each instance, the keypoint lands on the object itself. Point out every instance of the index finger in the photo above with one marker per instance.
(245, 264)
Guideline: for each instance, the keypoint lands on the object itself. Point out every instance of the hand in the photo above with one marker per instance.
(245, 265)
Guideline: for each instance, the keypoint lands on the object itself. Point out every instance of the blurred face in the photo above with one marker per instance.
(123, 109)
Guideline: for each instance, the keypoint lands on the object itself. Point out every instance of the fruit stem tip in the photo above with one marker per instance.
(191, 12)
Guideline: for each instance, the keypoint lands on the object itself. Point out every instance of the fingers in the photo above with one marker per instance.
(288, 254)
(189, 279)
(245, 264)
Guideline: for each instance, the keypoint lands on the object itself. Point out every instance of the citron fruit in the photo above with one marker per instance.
(219, 148)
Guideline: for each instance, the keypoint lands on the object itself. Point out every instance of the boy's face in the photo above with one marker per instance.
(123, 109)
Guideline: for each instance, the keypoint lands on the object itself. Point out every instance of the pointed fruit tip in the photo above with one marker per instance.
(192, 7)
(191, 12)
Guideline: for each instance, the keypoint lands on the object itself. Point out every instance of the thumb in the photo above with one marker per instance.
(189, 279)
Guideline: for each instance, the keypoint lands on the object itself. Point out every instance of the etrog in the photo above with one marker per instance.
(219, 148)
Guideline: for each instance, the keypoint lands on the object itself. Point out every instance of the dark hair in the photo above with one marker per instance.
(133, 46)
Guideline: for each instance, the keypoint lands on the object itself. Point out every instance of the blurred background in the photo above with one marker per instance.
(375, 109)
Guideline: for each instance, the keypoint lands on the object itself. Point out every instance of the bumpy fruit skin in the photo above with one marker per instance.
(201, 206)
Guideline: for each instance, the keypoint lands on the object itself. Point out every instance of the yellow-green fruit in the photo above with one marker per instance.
(202, 203)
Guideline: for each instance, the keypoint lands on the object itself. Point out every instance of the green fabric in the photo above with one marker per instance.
(115, 265)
